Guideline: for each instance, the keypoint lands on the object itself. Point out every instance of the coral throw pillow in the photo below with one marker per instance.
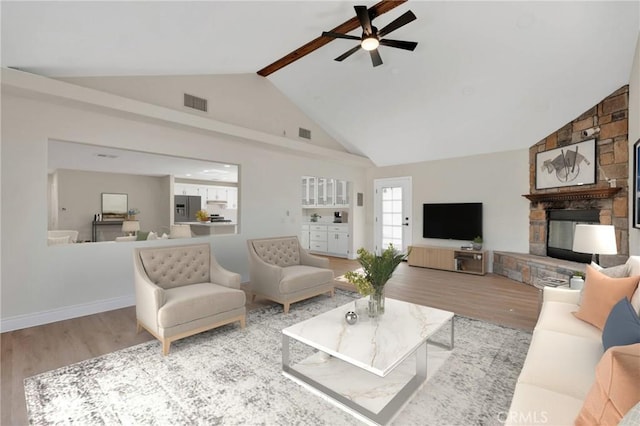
(615, 390)
(601, 293)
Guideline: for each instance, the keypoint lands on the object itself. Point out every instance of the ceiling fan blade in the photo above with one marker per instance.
(338, 35)
(348, 53)
(403, 19)
(400, 44)
(375, 57)
(364, 18)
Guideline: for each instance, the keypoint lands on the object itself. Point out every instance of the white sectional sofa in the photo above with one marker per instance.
(559, 370)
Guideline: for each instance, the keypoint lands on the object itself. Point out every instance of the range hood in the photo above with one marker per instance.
(217, 202)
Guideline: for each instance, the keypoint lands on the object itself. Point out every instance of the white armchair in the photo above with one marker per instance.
(282, 271)
(182, 290)
(62, 236)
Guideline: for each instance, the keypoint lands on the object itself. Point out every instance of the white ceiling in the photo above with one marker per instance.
(77, 156)
(485, 77)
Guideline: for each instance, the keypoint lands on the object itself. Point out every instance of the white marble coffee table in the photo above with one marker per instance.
(367, 368)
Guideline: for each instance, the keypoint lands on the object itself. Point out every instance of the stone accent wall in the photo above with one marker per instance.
(527, 268)
(612, 151)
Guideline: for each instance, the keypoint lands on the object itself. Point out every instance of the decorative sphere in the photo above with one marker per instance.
(351, 317)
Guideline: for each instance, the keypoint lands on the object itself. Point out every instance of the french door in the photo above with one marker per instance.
(392, 213)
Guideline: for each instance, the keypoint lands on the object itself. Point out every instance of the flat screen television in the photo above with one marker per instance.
(453, 221)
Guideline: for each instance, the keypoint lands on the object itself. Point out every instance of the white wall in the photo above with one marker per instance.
(247, 100)
(497, 180)
(634, 135)
(42, 284)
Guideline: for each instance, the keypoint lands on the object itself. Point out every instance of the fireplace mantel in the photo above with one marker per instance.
(579, 194)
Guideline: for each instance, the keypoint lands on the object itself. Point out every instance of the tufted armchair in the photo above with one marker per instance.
(282, 271)
(182, 290)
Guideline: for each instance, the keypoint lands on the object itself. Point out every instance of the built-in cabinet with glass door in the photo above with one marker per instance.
(324, 192)
(324, 236)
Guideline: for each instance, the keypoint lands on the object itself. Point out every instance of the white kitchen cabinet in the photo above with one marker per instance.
(304, 237)
(332, 239)
(232, 198)
(324, 192)
(341, 193)
(338, 239)
(318, 238)
(216, 193)
(185, 189)
(309, 191)
(179, 189)
(226, 195)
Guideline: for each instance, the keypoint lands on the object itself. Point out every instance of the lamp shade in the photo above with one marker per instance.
(595, 239)
(130, 226)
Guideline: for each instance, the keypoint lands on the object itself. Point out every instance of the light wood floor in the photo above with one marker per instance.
(27, 352)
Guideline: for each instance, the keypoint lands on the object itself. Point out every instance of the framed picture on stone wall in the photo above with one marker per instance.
(636, 184)
(570, 165)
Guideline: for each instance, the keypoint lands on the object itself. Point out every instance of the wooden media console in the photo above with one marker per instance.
(448, 259)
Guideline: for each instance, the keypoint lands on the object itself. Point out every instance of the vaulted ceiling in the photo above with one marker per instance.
(485, 76)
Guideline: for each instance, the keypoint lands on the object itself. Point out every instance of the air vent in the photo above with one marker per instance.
(304, 133)
(195, 102)
(106, 155)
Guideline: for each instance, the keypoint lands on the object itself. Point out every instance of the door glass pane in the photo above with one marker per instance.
(397, 233)
(392, 217)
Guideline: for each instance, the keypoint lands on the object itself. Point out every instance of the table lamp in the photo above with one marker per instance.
(595, 239)
(130, 227)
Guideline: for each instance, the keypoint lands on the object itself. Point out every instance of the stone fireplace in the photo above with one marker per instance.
(607, 197)
(595, 206)
(561, 226)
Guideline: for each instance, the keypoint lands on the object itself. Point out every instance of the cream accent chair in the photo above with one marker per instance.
(180, 231)
(182, 291)
(282, 271)
(62, 236)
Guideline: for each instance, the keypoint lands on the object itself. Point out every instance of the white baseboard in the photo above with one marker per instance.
(67, 312)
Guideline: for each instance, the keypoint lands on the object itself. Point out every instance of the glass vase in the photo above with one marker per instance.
(376, 303)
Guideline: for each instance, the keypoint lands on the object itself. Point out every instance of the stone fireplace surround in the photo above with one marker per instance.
(609, 195)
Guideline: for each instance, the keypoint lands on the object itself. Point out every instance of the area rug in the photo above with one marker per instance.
(230, 376)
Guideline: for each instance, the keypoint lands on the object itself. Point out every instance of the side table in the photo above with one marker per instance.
(541, 283)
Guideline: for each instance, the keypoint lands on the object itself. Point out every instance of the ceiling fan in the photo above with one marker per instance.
(372, 37)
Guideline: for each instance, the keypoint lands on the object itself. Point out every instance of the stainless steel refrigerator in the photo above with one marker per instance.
(186, 207)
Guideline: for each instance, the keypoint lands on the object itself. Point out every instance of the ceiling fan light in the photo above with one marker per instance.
(370, 43)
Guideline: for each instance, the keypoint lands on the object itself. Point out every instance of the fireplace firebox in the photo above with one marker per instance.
(561, 225)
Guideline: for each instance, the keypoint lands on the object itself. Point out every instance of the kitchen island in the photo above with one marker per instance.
(200, 229)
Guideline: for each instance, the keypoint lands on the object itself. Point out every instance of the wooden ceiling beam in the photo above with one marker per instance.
(376, 10)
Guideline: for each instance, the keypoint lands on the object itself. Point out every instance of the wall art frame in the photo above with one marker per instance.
(570, 165)
(114, 206)
(636, 184)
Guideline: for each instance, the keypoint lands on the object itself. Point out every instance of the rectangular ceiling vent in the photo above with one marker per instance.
(195, 102)
(304, 133)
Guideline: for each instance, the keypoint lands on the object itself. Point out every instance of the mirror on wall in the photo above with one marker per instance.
(164, 192)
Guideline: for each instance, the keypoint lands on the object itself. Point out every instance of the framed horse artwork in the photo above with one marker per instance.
(570, 165)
